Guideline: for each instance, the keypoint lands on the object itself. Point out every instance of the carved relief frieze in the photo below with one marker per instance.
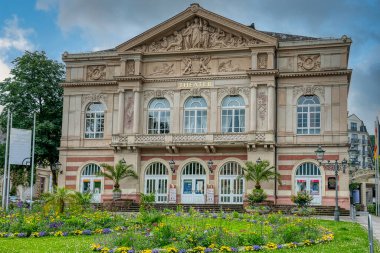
(149, 94)
(228, 66)
(262, 61)
(309, 62)
(233, 91)
(129, 104)
(262, 101)
(197, 34)
(96, 72)
(163, 69)
(196, 65)
(309, 91)
(130, 68)
(196, 92)
(87, 98)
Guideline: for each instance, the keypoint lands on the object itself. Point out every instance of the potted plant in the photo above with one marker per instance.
(302, 200)
(117, 173)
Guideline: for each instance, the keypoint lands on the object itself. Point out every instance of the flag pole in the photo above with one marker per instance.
(32, 162)
(5, 173)
(9, 170)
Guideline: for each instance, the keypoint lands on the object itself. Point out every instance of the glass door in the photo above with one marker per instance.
(312, 186)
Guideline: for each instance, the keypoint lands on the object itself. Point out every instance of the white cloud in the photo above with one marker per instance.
(45, 5)
(13, 38)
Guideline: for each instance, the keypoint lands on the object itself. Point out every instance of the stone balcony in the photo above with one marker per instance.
(211, 139)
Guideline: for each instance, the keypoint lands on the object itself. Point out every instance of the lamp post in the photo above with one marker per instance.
(209, 165)
(172, 164)
(258, 161)
(336, 167)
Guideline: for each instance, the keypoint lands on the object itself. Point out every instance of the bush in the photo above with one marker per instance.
(302, 199)
(257, 196)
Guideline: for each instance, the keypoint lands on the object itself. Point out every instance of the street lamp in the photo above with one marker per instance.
(336, 167)
(258, 161)
(56, 167)
(123, 162)
(209, 164)
(172, 164)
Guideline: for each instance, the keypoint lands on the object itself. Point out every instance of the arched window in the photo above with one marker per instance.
(94, 127)
(231, 186)
(195, 115)
(193, 168)
(308, 169)
(156, 181)
(159, 116)
(233, 114)
(91, 181)
(308, 115)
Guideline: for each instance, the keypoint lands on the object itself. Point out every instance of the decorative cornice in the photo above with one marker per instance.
(262, 72)
(130, 78)
(73, 84)
(317, 73)
(194, 78)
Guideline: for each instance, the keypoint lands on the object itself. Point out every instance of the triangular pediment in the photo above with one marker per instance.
(196, 29)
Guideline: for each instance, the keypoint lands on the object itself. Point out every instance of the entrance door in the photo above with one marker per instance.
(156, 181)
(193, 184)
(312, 186)
(93, 186)
(231, 187)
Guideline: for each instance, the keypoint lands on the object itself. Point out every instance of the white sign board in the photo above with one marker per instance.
(172, 195)
(210, 196)
(20, 145)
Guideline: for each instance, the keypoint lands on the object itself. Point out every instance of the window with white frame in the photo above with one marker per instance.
(233, 114)
(195, 115)
(308, 115)
(159, 116)
(94, 127)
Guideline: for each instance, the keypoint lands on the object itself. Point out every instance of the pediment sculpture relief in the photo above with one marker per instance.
(309, 62)
(228, 66)
(163, 69)
(197, 34)
(96, 72)
(196, 65)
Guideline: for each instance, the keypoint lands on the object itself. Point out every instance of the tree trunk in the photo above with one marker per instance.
(54, 177)
(258, 186)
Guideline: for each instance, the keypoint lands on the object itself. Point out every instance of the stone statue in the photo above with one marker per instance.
(186, 33)
(177, 43)
(188, 66)
(196, 33)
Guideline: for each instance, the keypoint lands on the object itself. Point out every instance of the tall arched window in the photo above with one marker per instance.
(156, 181)
(195, 115)
(94, 127)
(159, 116)
(91, 181)
(233, 114)
(308, 115)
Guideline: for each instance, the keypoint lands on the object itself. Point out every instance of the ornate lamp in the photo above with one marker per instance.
(258, 161)
(171, 164)
(353, 154)
(320, 153)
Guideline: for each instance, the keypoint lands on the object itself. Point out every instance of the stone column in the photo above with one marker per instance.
(123, 67)
(137, 65)
(136, 112)
(364, 195)
(271, 107)
(213, 117)
(175, 114)
(254, 60)
(270, 60)
(121, 111)
(253, 107)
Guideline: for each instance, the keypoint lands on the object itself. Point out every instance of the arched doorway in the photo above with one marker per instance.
(231, 187)
(91, 181)
(193, 184)
(308, 178)
(156, 181)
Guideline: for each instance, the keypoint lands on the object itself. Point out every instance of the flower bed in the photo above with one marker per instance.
(201, 233)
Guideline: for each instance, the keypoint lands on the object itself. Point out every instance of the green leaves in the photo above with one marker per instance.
(117, 173)
(258, 172)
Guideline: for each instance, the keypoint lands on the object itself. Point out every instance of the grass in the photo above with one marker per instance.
(349, 237)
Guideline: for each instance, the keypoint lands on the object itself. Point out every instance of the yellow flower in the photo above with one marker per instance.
(212, 246)
(248, 248)
(291, 245)
(95, 246)
(172, 250)
(271, 245)
(34, 234)
(225, 249)
(105, 250)
(199, 249)
(58, 233)
(307, 242)
(122, 249)
(146, 251)
(78, 232)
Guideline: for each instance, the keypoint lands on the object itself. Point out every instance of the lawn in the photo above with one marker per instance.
(349, 237)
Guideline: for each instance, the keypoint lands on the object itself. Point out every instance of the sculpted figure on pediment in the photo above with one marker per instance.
(164, 69)
(228, 66)
(96, 72)
(197, 34)
(196, 65)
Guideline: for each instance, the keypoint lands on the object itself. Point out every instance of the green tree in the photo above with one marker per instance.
(116, 174)
(34, 88)
(58, 200)
(258, 172)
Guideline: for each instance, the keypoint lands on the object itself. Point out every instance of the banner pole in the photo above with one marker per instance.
(9, 171)
(5, 173)
(32, 162)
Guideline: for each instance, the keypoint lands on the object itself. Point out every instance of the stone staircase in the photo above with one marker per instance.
(319, 210)
(213, 208)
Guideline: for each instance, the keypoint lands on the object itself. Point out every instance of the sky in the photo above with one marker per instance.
(56, 26)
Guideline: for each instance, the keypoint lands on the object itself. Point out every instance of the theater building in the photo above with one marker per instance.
(190, 100)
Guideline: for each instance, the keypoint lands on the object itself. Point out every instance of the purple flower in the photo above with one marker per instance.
(256, 247)
(19, 204)
(182, 251)
(208, 250)
(86, 232)
(111, 251)
(234, 249)
(106, 231)
(55, 224)
(178, 214)
(214, 216)
(254, 221)
(131, 251)
(279, 246)
(6, 235)
(21, 235)
(155, 251)
(42, 233)
(65, 234)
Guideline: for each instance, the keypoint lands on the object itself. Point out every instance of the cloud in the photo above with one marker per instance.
(45, 5)
(13, 38)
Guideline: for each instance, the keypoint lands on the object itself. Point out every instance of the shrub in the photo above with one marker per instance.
(302, 199)
(257, 196)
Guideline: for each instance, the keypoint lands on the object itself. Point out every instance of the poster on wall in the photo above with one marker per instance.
(331, 183)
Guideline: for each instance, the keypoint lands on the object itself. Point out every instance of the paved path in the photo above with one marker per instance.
(362, 220)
